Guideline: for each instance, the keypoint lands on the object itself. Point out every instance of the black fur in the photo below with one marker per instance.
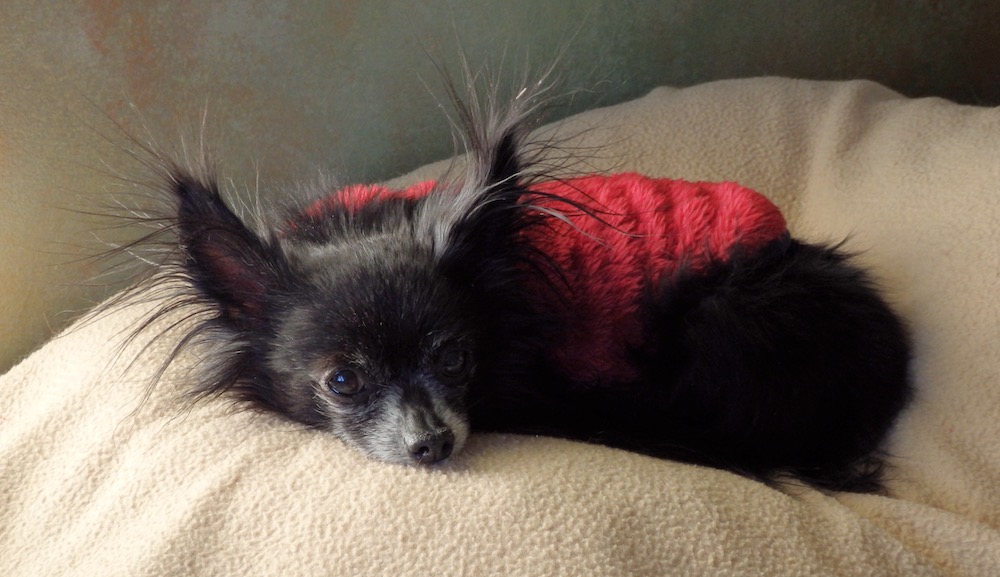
(400, 324)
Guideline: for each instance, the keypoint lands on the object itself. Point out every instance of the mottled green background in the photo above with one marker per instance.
(350, 88)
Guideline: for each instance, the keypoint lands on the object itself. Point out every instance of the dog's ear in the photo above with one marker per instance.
(226, 262)
(471, 223)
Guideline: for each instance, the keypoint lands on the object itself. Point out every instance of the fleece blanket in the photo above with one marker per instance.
(99, 478)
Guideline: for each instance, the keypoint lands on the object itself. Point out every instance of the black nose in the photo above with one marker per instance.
(433, 447)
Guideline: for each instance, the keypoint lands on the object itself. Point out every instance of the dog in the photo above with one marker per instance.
(678, 320)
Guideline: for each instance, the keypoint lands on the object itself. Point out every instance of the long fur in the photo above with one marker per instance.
(403, 322)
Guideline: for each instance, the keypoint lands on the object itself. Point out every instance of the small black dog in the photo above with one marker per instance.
(401, 320)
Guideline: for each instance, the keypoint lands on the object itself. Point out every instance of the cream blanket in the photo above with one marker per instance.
(95, 482)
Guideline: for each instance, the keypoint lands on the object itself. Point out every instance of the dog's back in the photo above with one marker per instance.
(636, 230)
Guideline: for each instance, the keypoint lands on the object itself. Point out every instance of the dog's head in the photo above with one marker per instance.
(363, 318)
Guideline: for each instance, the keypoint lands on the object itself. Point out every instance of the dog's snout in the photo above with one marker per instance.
(433, 447)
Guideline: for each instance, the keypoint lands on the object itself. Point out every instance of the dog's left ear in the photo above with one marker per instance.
(472, 223)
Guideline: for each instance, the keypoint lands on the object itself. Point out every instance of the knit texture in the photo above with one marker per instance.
(641, 230)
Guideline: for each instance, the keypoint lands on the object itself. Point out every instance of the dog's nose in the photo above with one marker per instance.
(433, 447)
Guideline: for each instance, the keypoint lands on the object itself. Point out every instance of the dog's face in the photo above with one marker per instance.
(376, 346)
(362, 321)
(353, 320)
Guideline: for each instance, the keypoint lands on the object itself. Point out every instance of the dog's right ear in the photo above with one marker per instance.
(225, 261)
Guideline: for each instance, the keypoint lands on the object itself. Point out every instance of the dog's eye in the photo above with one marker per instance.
(345, 382)
(454, 363)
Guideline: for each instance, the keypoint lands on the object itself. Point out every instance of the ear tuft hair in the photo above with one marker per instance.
(484, 206)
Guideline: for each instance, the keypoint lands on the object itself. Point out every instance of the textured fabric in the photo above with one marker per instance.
(644, 229)
(94, 481)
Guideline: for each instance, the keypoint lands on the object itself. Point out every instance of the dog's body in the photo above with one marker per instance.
(597, 309)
